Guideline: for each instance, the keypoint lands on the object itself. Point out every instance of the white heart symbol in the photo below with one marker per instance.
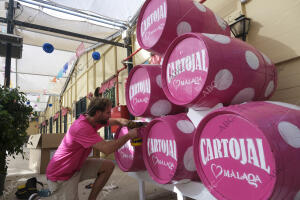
(216, 170)
(176, 84)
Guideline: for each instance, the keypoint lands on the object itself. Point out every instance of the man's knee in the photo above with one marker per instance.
(107, 166)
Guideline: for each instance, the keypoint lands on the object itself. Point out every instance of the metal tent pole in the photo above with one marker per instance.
(10, 30)
(128, 42)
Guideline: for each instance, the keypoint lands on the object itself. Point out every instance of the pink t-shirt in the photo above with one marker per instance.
(73, 150)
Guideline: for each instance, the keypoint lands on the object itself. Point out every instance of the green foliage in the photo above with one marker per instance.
(14, 121)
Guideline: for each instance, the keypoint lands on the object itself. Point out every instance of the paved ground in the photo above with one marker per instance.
(120, 185)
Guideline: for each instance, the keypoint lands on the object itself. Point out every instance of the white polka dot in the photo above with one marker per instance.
(244, 95)
(161, 107)
(158, 80)
(188, 160)
(252, 60)
(185, 126)
(290, 133)
(223, 39)
(267, 59)
(221, 22)
(199, 6)
(269, 89)
(297, 196)
(287, 105)
(183, 27)
(223, 79)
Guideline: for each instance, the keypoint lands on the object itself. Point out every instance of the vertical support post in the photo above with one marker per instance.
(244, 30)
(128, 42)
(180, 197)
(87, 73)
(103, 69)
(117, 76)
(71, 97)
(16, 73)
(75, 85)
(94, 73)
(60, 114)
(10, 28)
(142, 195)
(179, 194)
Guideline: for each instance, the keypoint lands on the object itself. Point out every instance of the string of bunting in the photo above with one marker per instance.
(79, 51)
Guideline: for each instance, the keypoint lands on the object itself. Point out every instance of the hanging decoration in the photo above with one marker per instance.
(65, 110)
(96, 55)
(65, 68)
(54, 80)
(89, 96)
(48, 48)
(60, 74)
(50, 105)
(155, 59)
(28, 102)
(72, 59)
(80, 49)
(56, 115)
(107, 84)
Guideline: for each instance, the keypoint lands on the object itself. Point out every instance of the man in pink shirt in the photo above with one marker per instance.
(70, 165)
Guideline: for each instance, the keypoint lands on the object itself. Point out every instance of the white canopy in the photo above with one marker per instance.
(34, 73)
(123, 10)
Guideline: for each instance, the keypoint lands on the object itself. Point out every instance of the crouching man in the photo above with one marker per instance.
(70, 165)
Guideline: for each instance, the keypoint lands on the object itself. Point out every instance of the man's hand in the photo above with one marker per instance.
(134, 124)
(133, 133)
(123, 122)
(109, 147)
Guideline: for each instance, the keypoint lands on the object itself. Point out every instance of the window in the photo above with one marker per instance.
(107, 133)
(110, 94)
(56, 123)
(80, 107)
(51, 125)
(65, 123)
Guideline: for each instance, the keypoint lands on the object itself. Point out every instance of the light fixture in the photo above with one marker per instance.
(240, 27)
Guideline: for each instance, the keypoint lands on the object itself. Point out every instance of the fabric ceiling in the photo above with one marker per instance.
(35, 71)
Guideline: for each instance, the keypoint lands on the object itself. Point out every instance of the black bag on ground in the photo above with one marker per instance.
(29, 188)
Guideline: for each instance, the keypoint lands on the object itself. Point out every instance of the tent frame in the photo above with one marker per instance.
(10, 27)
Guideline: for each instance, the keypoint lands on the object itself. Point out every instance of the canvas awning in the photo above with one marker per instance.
(37, 71)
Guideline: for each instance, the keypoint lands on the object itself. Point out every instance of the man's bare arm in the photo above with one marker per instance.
(118, 121)
(108, 147)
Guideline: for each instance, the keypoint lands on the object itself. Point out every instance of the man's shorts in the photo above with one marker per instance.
(68, 190)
